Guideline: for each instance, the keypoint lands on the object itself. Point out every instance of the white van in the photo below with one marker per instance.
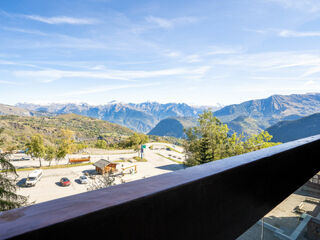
(33, 177)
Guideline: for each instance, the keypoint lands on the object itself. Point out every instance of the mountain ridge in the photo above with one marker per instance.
(13, 110)
(248, 117)
(290, 130)
(273, 109)
(140, 117)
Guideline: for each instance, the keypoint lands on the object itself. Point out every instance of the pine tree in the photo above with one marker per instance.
(210, 141)
(206, 152)
(8, 197)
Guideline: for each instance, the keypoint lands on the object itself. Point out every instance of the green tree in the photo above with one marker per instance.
(258, 141)
(66, 139)
(62, 151)
(36, 148)
(8, 197)
(101, 144)
(65, 144)
(80, 146)
(136, 140)
(206, 153)
(210, 141)
(50, 154)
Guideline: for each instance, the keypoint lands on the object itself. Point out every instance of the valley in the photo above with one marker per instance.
(250, 117)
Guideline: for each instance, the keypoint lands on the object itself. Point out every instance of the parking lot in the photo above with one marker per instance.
(48, 188)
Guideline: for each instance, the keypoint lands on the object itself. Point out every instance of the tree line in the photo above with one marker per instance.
(64, 144)
(210, 140)
(133, 142)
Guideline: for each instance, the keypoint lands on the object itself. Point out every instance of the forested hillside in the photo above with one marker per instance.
(286, 131)
(18, 129)
(173, 127)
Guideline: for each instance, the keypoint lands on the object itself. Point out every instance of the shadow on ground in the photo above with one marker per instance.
(22, 182)
(90, 172)
(59, 184)
(77, 181)
(172, 167)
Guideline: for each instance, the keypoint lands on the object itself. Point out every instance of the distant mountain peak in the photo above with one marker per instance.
(140, 117)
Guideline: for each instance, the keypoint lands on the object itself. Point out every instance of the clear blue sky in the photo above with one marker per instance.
(198, 52)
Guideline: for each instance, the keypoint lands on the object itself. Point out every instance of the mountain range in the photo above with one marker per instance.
(138, 117)
(263, 113)
(249, 117)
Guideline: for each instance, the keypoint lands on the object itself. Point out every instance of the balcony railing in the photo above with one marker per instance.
(218, 200)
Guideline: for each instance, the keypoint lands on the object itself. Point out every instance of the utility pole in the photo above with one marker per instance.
(141, 149)
(262, 227)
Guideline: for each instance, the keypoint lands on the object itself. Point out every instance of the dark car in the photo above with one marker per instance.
(65, 182)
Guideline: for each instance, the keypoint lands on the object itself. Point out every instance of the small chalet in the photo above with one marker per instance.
(104, 166)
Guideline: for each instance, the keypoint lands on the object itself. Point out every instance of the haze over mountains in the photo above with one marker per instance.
(249, 117)
(12, 110)
(139, 117)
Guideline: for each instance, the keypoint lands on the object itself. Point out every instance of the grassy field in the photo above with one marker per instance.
(174, 160)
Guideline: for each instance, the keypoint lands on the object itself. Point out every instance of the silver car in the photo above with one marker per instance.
(83, 179)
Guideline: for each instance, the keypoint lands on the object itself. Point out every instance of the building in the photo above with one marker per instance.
(104, 166)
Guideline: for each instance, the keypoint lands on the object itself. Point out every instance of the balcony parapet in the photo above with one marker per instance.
(218, 200)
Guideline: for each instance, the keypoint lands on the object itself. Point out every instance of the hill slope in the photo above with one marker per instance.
(246, 126)
(19, 129)
(11, 110)
(173, 127)
(286, 131)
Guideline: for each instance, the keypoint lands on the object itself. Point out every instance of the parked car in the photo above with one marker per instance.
(65, 182)
(34, 177)
(83, 179)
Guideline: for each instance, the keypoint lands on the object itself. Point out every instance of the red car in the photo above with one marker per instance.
(65, 182)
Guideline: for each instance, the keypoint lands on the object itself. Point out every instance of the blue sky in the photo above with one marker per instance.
(198, 52)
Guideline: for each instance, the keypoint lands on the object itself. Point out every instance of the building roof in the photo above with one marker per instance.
(101, 163)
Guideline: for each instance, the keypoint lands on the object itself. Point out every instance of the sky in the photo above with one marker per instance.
(197, 52)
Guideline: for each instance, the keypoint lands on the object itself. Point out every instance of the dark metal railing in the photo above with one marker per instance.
(218, 200)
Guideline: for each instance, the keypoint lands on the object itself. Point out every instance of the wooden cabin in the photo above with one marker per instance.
(104, 166)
